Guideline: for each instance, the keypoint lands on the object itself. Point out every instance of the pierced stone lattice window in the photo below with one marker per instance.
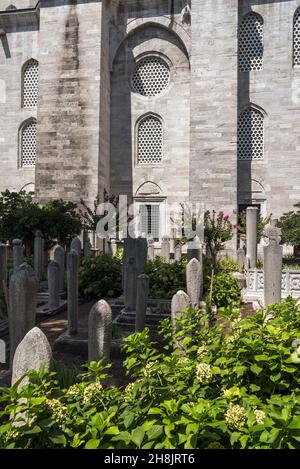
(150, 77)
(251, 135)
(150, 135)
(30, 83)
(251, 43)
(297, 37)
(28, 144)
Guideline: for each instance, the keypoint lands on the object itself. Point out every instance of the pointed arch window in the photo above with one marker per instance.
(149, 140)
(296, 38)
(28, 144)
(251, 43)
(30, 84)
(251, 135)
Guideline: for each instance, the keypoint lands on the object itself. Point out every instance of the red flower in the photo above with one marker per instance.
(226, 218)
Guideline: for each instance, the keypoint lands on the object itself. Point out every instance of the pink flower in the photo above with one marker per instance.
(226, 218)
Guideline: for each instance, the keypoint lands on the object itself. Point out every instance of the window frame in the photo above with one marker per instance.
(140, 120)
(32, 59)
(244, 18)
(161, 202)
(24, 124)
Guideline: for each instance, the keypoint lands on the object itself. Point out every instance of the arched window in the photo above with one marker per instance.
(28, 144)
(30, 83)
(149, 140)
(150, 77)
(296, 39)
(251, 135)
(251, 43)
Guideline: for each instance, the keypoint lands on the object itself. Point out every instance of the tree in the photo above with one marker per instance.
(217, 231)
(21, 216)
(290, 226)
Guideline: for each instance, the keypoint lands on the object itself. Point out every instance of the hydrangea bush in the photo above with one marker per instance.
(233, 385)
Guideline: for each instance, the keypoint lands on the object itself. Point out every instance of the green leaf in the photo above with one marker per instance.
(31, 431)
(256, 369)
(244, 440)
(112, 431)
(58, 440)
(137, 436)
(128, 419)
(92, 444)
(155, 432)
(295, 423)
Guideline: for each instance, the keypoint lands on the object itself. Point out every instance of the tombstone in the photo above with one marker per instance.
(22, 305)
(180, 302)
(76, 246)
(2, 352)
(114, 247)
(17, 253)
(38, 255)
(141, 302)
(130, 285)
(177, 252)
(272, 266)
(72, 281)
(165, 248)
(141, 255)
(53, 284)
(241, 258)
(99, 331)
(194, 250)
(3, 266)
(251, 235)
(194, 282)
(151, 256)
(33, 351)
(129, 252)
(87, 246)
(59, 256)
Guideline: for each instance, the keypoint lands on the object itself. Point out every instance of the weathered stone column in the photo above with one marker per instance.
(76, 246)
(59, 256)
(53, 284)
(141, 302)
(165, 248)
(17, 253)
(33, 351)
(180, 302)
(3, 266)
(241, 257)
(177, 252)
(272, 266)
(99, 331)
(87, 246)
(22, 305)
(194, 282)
(150, 249)
(141, 254)
(72, 281)
(38, 255)
(130, 285)
(194, 250)
(251, 228)
(129, 253)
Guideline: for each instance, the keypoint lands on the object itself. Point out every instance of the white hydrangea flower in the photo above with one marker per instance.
(236, 416)
(91, 392)
(203, 373)
(260, 416)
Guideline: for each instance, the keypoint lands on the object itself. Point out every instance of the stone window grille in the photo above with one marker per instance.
(150, 77)
(296, 40)
(149, 140)
(150, 219)
(251, 135)
(28, 144)
(30, 84)
(251, 43)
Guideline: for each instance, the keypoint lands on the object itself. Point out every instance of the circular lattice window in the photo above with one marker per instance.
(150, 136)
(150, 77)
(28, 144)
(251, 135)
(251, 43)
(30, 84)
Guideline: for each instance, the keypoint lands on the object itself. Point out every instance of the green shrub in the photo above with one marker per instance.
(166, 279)
(228, 265)
(225, 291)
(214, 390)
(100, 277)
